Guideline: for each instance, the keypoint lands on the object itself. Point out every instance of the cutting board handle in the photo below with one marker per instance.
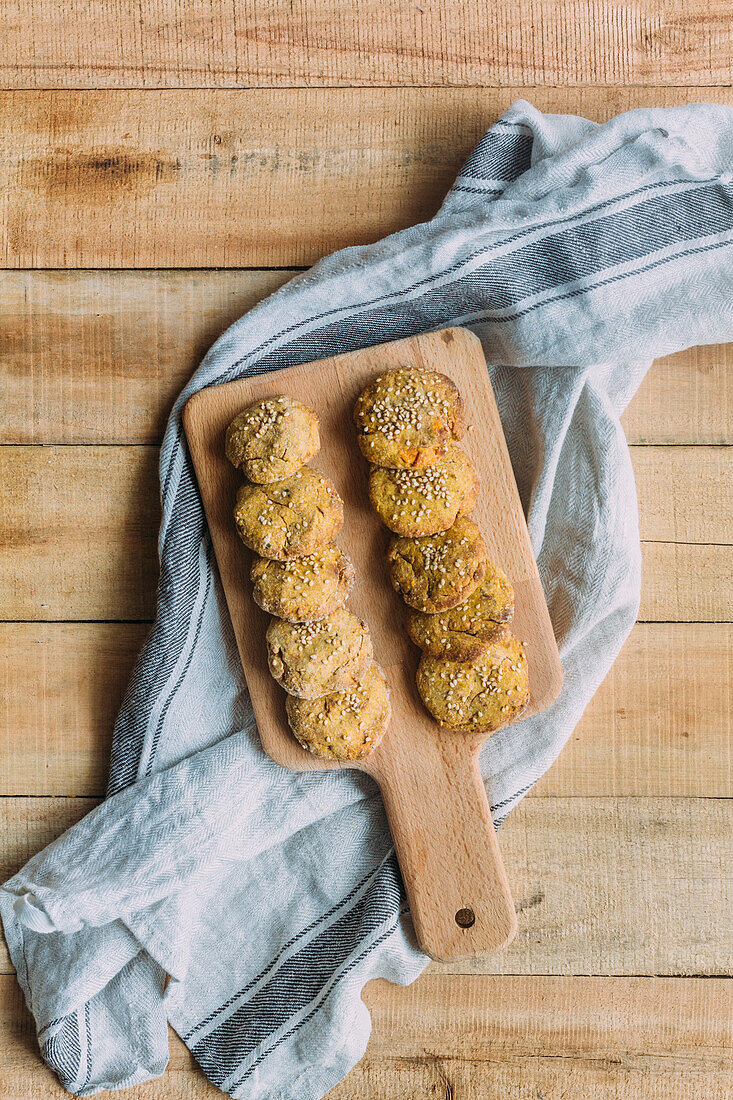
(447, 849)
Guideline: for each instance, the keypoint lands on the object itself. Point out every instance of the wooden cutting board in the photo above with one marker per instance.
(433, 793)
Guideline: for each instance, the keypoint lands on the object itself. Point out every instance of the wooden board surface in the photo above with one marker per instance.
(660, 724)
(99, 357)
(429, 778)
(331, 386)
(221, 179)
(171, 43)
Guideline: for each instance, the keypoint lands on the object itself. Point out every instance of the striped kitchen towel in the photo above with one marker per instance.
(577, 253)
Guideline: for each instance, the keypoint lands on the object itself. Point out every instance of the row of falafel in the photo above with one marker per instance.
(288, 514)
(473, 673)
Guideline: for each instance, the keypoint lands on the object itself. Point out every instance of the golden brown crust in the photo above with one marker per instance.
(304, 589)
(289, 518)
(272, 438)
(343, 725)
(416, 503)
(314, 659)
(468, 503)
(435, 573)
(477, 696)
(407, 417)
(466, 631)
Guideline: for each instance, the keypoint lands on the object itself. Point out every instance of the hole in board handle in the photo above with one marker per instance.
(465, 918)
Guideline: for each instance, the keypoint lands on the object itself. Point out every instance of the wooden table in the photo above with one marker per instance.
(170, 163)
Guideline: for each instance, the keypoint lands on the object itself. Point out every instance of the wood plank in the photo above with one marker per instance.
(474, 1037)
(62, 685)
(99, 357)
(601, 885)
(684, 493)
(256, 179)
(660, 724)
(275, 43)
(684, 399)
(582, 870)
(78, 534)
(686, 583)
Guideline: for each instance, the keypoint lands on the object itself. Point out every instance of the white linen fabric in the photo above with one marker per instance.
(577, 253)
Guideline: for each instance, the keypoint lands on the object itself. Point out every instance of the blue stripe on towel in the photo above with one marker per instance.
(294, 985)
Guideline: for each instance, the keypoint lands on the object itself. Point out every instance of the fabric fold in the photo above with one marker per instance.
(577, 253)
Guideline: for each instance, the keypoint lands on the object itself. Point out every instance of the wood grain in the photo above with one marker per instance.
(78, 532)
(474, 1037)
(660, 724)
(255, 179)
(54, 495)
(684, 493)
(432, 790)
(276, 43)
(62, 685)
(601, 886)
(686, 582)
(684, 399)
(99, 357)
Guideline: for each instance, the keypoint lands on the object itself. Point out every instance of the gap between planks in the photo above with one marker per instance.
(613, 886)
